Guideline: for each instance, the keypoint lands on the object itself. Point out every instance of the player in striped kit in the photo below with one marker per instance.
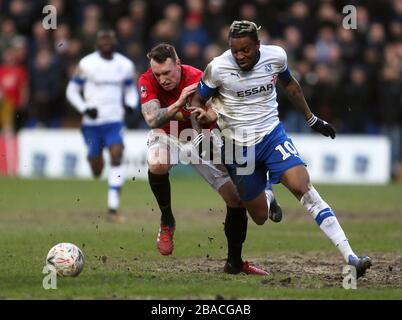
(107, 81)
(241, 83)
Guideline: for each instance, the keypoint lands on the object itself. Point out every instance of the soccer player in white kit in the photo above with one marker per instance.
(241, 83)
(107, 81)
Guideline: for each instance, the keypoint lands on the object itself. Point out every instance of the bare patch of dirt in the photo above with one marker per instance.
(307, 271)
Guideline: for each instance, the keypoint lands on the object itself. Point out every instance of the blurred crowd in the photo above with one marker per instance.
(350, 77)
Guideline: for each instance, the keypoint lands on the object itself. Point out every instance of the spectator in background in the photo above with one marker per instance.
(293, 43)
(126, 33)
(301, 20)
(325, 94)
(21, 13)
(138, 10)
(376, 36)
(327, 15)
(20, 46)
(61, 38)
(324, 43)
(210, 52)
(174, 13)
(355, 109)
(192, 54)
(114, 10)
(63, 17)
(248, 11)
(164, 31)
(7, 33)
(90, 27)
(14, 84)
(350, 47)
(6, 114)
(193, 30)
(390, 106)
(46, 107)
(215, 15)
(40, 39)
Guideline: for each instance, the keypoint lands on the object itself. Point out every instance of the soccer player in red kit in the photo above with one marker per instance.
(165, 90)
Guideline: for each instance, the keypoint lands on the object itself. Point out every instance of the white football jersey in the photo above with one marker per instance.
(104, 83)
(246, 100)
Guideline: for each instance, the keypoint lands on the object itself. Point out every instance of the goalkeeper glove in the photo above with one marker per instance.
(321, 126)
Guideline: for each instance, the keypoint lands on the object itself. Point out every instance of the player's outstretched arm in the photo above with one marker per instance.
(296, 96)
(204, 116)
(156, 116)
(74, 97)
(202, 111)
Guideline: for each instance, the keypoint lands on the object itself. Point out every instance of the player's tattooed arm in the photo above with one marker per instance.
(154, 115)
(296, 96)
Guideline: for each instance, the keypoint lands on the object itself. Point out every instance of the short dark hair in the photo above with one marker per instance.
(162, 52)
(244, 28)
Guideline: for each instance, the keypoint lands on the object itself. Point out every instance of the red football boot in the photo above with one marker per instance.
(247, 268)
(164, 242)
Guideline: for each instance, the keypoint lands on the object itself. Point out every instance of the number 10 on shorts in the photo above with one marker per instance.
(283, 149)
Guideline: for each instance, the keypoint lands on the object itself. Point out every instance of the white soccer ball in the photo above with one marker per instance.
(66, 258)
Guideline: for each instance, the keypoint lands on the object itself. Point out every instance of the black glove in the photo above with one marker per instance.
(128, 110)
(91, 112)
(321, 126)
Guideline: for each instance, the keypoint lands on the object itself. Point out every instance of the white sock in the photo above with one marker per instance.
(113, 199)
(116, 181)
(270, 197)
(328, 223)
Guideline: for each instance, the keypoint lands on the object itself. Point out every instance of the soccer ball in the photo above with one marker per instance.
(66, 258)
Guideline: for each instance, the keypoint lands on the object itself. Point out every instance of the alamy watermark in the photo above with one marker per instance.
(50, 278)
(350, 20)
(191, 147)
(350, 279)
(50, 20)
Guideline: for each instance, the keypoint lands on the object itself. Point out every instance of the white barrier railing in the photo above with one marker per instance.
(347, 159)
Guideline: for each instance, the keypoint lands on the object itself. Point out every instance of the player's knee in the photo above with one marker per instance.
(260, 220)
(158, 168)
(259, 217)
(96, 172)
(96, 167)
(234, 203)
(300, 189)
(229, 193)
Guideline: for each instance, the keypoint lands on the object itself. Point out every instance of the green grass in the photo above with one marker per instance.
(36, 214)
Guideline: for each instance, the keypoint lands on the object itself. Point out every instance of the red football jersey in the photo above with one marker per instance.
(13, 80)
(150, 89)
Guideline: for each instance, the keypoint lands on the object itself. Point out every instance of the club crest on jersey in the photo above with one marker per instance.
(143, 90)
(268, 68)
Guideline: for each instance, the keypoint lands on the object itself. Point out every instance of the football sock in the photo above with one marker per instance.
(235, 231)
(160, 186)
(326, 220)
(115, 181)
(269, 194)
